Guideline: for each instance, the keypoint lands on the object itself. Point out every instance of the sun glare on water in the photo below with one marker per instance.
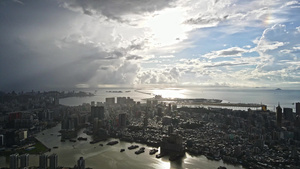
(170, 93)
(162, 164)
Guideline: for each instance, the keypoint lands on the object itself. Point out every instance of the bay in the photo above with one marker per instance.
(269, 97)
(110, 157)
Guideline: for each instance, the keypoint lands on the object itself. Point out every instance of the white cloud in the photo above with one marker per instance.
(296, 47)
(298, 29)
(230, 52)
(264, 43)
(123, 42)
(291, 4)
(159, 76)
(167, 56)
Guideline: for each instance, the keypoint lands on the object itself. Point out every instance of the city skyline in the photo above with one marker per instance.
(121, 132)
(88, 44)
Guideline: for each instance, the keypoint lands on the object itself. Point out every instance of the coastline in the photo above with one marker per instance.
(32, 149)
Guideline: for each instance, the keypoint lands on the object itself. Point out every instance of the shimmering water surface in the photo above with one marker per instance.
(110, 157)
(270, 97)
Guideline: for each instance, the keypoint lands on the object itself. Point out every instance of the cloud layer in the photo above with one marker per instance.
(84, 43)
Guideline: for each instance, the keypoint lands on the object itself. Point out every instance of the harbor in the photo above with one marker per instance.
(108, 156)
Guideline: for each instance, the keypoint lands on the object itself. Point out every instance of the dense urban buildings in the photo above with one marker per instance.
(253, 138)
(14, 161)
(53, 161)
(24, 160)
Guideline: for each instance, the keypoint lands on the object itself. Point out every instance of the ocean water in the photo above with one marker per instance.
(269, 97)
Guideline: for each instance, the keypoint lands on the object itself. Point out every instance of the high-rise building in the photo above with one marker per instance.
(24, 160)
(1, 140)
(169, 108)
(110, 101)
(145, 122)
(14, 161)
(170, 130)
(68, 123)
(99, 104)
(43, 161)
(149, 103)
(96, 125)
(159, 111)
(121, 100)
(81, 163)
(97, 112)
(53, 161)
(279, 115)
(56, 100)
(288, 114)
(298, 108)
(122, 120)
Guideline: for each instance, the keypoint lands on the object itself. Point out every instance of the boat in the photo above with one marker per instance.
(217, 158)
(112, 143)
(133, 147)
(55, 147)
(96, 141)
(141, 150)
(159, 155)
(209, 157)
(221, 167)
(153, 151)
(122, 150)
(82, 138)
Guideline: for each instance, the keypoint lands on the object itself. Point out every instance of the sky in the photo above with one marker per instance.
(60, 44)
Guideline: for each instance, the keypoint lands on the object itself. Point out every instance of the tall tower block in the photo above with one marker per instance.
(279, 115)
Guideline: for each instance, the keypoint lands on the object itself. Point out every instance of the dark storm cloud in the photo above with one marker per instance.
(116, 8)
(35, 55)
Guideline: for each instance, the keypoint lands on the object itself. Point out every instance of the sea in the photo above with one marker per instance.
(270, 97)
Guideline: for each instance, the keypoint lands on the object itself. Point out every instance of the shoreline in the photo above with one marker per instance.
(39, 148)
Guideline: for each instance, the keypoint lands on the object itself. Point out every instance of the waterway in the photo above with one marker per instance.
(110, 157)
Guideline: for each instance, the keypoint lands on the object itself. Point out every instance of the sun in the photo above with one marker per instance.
(166, 27)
